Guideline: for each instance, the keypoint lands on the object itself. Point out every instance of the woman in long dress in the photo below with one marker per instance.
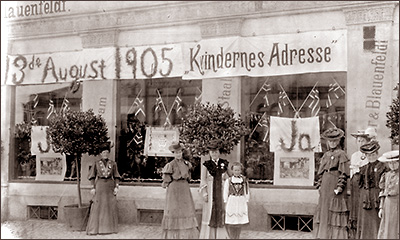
(213, 174)
(357, 160)
(105, 178)
(389, 197)
(332, 213)
(370, 174)
(179, 220)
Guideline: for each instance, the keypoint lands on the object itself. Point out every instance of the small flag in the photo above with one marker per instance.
(159, 105)
(283, 100)
(35, 101)
(198, 98)
(264, 123)
(51, 109)
(266, 87)
(138, 106)
(178, 101)
(334, 93)
(138, 138)
(64, 106)
(314, 103)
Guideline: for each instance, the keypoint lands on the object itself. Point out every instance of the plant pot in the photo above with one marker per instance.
(76, 218)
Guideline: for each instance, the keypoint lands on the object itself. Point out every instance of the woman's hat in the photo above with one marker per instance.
(213, 145)
(370, 132)
(389, 156)
(106, 146)
(175, 146)
(332, 134)
(370, 147)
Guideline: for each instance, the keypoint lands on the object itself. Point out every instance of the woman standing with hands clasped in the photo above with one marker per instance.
(179, 220)
(332, 213)
(213, 175)
(104, 177)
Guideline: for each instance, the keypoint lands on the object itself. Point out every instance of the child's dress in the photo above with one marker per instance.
(389, 185)
(236, 197)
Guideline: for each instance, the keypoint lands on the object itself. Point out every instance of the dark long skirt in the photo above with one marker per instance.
(368, 220)
(354, 205)
(103, 217)
(332, 212)
(179, 220)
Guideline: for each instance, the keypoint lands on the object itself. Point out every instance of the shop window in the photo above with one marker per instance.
(155, 103)
(263, 99)
(369, 37)
(34, 105)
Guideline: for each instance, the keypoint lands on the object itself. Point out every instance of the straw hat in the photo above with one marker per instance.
(389, 156)
(175, 146)
(370, 132)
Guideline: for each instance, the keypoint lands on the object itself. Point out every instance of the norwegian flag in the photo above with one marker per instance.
(264, 123)
(138, 138)
(334, 93)
(64, 106)
(267, 88)
(198, 98)
(35, 101)
(178, 102)
(283, 100)
(159, 105)
(314, 102)
(138, 106)
(51, 109)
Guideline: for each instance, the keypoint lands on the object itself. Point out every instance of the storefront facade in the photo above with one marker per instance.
(122, 60)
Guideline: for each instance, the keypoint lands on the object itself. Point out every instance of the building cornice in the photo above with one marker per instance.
(179, 13)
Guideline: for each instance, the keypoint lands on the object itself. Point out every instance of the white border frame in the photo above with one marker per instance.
(158, 139)
(278, 180)
(50, 177)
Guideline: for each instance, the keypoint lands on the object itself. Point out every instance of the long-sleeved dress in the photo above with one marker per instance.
(368, 220)
(103, 217)
(213, 218)
(236, 197)
(179, 220)
(357, 160)
(331, 218)
(389, 203)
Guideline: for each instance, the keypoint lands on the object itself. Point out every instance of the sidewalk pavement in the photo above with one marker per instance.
(51, 229)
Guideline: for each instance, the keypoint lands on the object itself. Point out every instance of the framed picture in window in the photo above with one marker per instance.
(295, 168)
(158, 139)
(50, 167)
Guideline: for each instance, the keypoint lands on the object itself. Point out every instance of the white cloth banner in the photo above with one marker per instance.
(97, 63)
(267, 55)
(296, 134)
(39, 144)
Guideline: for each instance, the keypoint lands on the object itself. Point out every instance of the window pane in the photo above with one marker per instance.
(31, 109)
(265, 96)
(139, 106)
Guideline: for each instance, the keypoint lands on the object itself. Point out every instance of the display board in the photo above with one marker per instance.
(294, 168)
(158, 139)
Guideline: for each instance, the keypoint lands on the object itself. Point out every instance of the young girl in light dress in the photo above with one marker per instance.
(236, 197)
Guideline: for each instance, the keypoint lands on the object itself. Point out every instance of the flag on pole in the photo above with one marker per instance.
(264, 123)
(178, 102)
(267, 88)
(198, 98)
(283, 100)
(138, 106)
(64, 106)
(51, 109)
(313, 102)
(334, 93)
(159, 105)
(35, 101)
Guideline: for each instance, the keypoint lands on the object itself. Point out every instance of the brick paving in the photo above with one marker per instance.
(51, 229)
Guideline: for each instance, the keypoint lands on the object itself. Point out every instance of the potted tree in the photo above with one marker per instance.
(26, 162)
(205, 122)
(75, 133)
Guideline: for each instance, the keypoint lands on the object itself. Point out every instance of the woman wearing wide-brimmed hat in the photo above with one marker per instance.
(105, 178)
(389, 197)
(211, 189)
(357, 160)
(179, 220)
(332, 214)
(368, 220)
